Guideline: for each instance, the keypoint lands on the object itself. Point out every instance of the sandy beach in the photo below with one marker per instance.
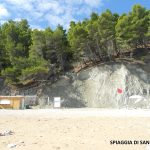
(74, 129)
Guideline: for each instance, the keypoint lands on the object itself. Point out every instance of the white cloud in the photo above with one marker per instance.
(2, 21)
(63, 20)
(22, 4)
(35, 27)
(83, 11)
(93, 3)
(36, 14)
(3, 11)
(53, 6)
(17, 19)
(74, 2)
(53, 12)
(54, 20)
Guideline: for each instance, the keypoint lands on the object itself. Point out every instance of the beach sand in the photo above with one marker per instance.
(74, 129)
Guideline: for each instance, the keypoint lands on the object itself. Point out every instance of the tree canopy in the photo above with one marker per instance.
(30, 55)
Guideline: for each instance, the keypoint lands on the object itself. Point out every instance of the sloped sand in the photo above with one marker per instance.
(74, 129)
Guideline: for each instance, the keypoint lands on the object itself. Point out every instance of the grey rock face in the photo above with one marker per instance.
(97, 87)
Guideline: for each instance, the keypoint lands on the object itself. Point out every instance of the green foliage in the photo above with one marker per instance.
(38, 44)
(77, 37)
(33, 55)
(132, 28)
(11, 74)
(32, 72)
(107, 22)
(35, 66)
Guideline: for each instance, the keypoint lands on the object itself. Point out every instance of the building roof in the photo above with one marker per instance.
(11, 96)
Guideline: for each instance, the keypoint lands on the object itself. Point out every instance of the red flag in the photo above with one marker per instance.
(119, 90)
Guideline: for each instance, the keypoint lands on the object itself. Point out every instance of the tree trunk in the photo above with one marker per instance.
(99, 54)
(115, 46)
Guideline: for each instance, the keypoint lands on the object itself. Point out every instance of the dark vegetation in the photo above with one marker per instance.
(29, 56)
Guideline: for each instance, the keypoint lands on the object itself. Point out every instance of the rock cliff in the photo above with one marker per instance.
(97, 87)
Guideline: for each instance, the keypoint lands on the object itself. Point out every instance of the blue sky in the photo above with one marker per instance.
(44, 13)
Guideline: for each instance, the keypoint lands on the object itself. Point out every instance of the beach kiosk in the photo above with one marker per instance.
(12, 102)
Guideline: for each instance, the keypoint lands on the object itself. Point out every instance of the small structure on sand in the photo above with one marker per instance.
(12, 102)
(57, 102)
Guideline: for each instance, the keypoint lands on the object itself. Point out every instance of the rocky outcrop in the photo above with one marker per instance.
(97, 87)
